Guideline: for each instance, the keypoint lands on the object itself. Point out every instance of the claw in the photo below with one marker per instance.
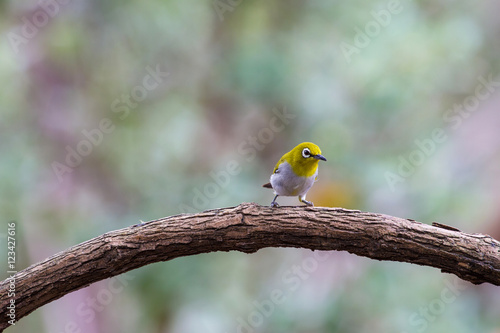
(274, 204)
(308, 203)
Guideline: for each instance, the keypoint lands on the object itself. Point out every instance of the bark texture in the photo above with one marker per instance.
(248, 228)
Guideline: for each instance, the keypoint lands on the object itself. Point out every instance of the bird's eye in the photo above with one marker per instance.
(306, 153)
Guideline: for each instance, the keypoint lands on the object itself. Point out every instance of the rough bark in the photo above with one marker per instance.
(248, 228)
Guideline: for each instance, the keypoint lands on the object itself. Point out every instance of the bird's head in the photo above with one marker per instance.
(304, 159)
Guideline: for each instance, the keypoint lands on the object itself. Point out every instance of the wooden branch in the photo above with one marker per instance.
(248, 228)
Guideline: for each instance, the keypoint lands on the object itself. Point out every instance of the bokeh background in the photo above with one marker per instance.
(246, 82)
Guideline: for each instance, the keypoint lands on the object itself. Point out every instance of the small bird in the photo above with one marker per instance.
(296, 172)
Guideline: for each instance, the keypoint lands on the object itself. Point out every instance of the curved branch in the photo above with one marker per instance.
(248, 228)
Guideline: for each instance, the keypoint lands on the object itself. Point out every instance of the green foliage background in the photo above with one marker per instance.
(232, 67)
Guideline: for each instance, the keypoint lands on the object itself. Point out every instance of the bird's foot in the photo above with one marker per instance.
(308, 203)
(139, 224)
(274, 204)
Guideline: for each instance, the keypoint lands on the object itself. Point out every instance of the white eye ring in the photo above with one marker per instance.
(306, 153)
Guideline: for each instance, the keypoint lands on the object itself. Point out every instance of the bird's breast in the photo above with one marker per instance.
(286, 182)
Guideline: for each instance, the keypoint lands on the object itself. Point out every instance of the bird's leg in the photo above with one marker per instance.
(274, 203)
(303, 199)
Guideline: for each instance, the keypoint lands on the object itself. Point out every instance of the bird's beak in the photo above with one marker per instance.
(319, 157)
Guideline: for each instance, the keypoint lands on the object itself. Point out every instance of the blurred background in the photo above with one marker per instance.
(114, 112)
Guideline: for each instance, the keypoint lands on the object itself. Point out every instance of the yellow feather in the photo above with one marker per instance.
(303, 167)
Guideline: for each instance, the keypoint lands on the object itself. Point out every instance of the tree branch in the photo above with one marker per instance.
(248, 228)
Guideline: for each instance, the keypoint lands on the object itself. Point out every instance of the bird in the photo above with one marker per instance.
(296, 172)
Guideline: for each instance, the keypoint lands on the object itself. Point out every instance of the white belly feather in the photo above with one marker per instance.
(286, 183)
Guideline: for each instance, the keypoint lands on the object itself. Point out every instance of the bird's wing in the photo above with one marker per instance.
(276, 168)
